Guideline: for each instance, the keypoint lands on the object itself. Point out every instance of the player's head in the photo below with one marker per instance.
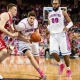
(12, 8)
(55, 5)
(31, 17)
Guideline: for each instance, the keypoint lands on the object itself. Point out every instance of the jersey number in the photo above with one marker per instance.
(55, 20)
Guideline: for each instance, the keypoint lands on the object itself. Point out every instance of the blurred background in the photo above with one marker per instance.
(73, 10)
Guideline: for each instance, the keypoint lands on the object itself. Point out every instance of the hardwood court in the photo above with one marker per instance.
(20, 67)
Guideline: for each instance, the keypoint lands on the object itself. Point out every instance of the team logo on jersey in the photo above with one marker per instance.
(29, 30)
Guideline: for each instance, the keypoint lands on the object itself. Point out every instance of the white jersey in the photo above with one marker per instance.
(56, 21)
(24, 27)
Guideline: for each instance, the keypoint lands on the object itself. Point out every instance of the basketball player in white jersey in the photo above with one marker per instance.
(26, 27)
(58, 36)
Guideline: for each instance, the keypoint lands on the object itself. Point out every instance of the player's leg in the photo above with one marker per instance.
(66, 51)
(37, 59)
(35, 51)
(34, 63)
(3, 52)
(54, 50)
(25, 49)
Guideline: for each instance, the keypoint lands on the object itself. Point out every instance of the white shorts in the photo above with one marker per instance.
(59, 42)
(33, 47)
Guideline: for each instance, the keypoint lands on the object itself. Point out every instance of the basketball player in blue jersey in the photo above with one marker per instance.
(59, 41)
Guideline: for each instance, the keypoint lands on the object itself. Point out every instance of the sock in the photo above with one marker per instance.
(68, 68)
(37, 61)
(40, 72)
(60, 62)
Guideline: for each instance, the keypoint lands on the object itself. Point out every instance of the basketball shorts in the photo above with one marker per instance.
(59, 42)
(34, 48)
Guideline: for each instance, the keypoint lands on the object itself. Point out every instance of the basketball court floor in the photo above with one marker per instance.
(20, 68)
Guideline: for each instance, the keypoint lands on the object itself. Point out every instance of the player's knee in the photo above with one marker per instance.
(3, 54)
(4, 51)
(30, 56)
(9, 51)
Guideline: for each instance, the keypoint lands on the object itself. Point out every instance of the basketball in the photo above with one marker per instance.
(35, 37)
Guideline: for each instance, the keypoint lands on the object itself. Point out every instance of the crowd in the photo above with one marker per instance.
(38, 8)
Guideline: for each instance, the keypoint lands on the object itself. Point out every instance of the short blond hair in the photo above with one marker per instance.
(9, 6)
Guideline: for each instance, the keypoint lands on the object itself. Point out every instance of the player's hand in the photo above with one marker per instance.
(37, 30)
(15, 34)
(65, 29)
(28, 40)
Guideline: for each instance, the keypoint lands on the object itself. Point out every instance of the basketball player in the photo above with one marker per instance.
(58, 36)
(6, 25)
(30, 26)
(26, 27)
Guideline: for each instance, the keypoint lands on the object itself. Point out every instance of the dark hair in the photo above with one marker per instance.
(58, 1)
(9, 6)
(31, 13)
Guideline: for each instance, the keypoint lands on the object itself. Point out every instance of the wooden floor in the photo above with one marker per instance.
(20, 67)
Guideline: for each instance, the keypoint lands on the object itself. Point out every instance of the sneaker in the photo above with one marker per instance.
(68, 73)
(61, 68)
(43, 77)
(1, 77)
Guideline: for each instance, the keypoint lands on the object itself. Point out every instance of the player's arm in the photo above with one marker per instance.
(70, 23)
(23, 38)
(48, 30)
(4, 18)
(37, 30)
(20, 27)
(11, 29)
(48, 27)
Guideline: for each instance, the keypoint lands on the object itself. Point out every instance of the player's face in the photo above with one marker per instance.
(55, 5)
(31, 20)
(14, 11)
